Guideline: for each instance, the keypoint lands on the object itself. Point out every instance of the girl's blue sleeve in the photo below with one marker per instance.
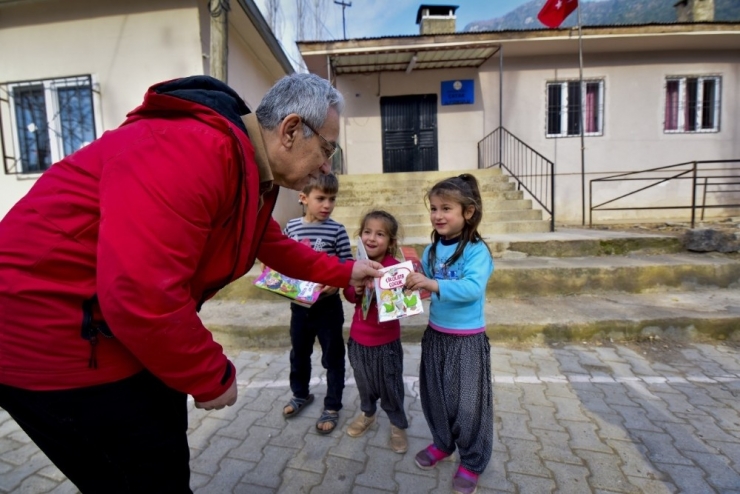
(477, 268)
(425, 262)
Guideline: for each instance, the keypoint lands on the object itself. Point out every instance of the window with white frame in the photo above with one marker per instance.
(692, 104)
(564, 107)
(49, 119)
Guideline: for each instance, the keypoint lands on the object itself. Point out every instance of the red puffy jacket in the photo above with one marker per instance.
(153, 218)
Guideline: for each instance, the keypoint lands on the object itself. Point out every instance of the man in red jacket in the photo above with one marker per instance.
(106, 261)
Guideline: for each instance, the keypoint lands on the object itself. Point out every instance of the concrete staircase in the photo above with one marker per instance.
(568, 285)
(403, 195)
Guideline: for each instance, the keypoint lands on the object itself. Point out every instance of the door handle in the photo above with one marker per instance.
(416, 140)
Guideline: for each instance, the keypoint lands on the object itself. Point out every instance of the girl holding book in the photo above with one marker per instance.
(455, 371)
(374, 348)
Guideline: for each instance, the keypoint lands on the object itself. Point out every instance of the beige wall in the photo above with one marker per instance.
(633, 138)
(126, 47)
(460, 127)
(251, 73)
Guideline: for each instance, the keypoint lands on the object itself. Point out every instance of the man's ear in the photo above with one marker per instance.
(289, 129)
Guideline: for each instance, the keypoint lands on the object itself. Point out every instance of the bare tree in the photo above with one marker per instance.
(319, 9)
(273, 16)
(301, 18)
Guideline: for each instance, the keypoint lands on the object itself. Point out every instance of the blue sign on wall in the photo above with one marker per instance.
(459, 92)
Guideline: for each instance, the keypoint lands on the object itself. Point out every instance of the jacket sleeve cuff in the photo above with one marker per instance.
(227, 379)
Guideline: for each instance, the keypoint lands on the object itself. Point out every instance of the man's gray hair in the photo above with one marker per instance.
(307, 95)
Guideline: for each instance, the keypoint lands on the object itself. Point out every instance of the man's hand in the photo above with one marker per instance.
(225, 400)
(329, 290)
(363, 271)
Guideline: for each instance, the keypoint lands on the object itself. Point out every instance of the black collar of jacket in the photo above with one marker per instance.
(210, 92)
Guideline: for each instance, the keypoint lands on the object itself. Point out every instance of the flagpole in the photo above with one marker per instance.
(580, 117)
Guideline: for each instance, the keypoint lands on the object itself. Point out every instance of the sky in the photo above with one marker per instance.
(374, 18)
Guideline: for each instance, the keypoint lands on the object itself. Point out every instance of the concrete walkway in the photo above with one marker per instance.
(569, 418)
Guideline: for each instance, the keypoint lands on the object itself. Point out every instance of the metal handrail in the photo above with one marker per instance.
(700, 173)
(532, 171)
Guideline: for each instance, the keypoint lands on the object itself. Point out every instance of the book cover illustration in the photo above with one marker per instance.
(367, 296)
(394, 301)
(303, 292)
(408, 253)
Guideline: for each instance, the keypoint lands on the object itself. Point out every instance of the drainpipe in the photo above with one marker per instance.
(219, 10)
(501, 105)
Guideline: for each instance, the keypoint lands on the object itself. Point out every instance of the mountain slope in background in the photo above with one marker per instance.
(606, 12)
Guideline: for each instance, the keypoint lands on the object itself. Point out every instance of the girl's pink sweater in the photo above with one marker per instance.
(370, 332)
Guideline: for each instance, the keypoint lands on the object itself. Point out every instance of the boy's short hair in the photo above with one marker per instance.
(328, 184)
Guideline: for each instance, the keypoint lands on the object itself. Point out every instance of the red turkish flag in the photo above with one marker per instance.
(555, 11)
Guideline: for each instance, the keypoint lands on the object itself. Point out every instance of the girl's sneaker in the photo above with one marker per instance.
(427, 458)
(465, 481)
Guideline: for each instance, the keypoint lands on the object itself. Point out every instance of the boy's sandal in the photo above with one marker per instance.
(297, 404)
(327, 417)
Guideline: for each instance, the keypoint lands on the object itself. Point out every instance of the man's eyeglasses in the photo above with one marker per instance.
(330, 151)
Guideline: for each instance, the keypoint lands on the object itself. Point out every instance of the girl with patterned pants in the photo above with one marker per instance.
(374, 348)
(455, 373)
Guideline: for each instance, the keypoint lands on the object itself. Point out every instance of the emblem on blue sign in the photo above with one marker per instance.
(458, 92)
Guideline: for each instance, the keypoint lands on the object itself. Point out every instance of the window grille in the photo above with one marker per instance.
(564, 106)
(692, 104)
(45, 120)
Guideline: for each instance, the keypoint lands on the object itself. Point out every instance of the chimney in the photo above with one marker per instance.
(436, 19)
(694, 10)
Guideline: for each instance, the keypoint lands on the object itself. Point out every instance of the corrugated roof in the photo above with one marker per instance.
(423, 58)
(472, 49)
(523, 31)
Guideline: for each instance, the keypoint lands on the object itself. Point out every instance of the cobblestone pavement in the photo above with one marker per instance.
(569, 418)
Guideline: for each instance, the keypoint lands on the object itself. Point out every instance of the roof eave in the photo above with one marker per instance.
(260, 24)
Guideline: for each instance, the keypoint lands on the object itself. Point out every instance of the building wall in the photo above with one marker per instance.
(252, 81)
(633, 138)
(125, 46)
(460, 127)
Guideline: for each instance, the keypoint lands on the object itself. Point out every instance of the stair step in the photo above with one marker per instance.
(350, 209)
(436, 176)
(610, 315)
(568, 242)
(411, 189)
(540, 276)
(371, 197)
(406, 219)
(486, 228)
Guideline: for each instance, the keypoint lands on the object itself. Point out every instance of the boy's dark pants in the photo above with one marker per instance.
(323, 320)
(128, 436)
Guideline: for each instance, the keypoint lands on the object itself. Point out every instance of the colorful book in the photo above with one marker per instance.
(393, 299)
(367, 296)
(299, 291)
(408, 253)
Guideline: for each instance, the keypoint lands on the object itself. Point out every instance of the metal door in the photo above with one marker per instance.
(409, 133)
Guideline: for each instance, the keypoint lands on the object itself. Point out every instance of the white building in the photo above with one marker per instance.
(655, 95)
(71, 69)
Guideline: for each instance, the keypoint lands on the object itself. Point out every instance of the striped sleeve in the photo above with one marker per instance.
(344, 251)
